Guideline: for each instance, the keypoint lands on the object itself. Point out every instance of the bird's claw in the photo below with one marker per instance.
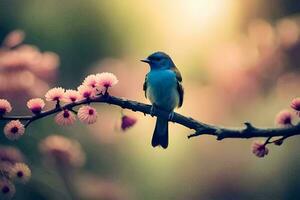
(171, 116)
(152, 110)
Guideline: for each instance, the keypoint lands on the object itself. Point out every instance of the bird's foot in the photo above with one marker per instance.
(171, 116)
(152, 110)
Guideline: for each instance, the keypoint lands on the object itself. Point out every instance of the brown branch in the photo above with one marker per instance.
(200, 128)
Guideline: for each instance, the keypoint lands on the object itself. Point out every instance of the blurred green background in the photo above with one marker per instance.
(239, 61)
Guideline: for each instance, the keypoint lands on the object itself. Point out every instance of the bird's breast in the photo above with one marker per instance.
(162, 89)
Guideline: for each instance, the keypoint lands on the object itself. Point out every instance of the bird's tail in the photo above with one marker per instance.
(160, 135)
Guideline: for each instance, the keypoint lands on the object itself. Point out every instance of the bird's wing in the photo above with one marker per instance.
(181, 93)
(145, 86)
(179, 86)
(178, 75)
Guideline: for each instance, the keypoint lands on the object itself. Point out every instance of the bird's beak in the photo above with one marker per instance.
(146, 60)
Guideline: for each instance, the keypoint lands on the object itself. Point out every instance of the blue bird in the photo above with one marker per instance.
(163, 88)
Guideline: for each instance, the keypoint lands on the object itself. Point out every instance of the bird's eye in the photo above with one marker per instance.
(157, 58)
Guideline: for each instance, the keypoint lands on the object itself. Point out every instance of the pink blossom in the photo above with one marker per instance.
(90, 81)
(106, 80)
(55, 94)
(87, 114)
(86, 92)
(14, 129)
(127, 122)
(259, 149)
(5, 106)
(284, 118)
(295, 104)
(36, 105)
(71, 96)
(65, 118)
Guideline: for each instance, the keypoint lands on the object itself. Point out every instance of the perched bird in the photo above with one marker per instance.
(163, 88)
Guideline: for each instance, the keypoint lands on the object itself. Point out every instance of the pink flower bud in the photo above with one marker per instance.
(284, 118)
(295, 104)
(259, 149)
(127, 122)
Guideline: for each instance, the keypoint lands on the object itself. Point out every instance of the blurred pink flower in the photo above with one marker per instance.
(71, 96)
(55, 94)
(86, 92)
(14, 129)
(14, 38)
(295, 104)
(90, 81)
(127, 122)
(61, 150)
(261, 33)
(106, 80)
(20, 172)
(5, 106)
(10, 154)
(283, 118)
(7, 189)
(65, 118)
(36, 105)
(259, 149)
(5, 168)
(288, 32)
(24, 62)
(87, 114)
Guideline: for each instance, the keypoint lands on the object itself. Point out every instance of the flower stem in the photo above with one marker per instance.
(65, 175)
